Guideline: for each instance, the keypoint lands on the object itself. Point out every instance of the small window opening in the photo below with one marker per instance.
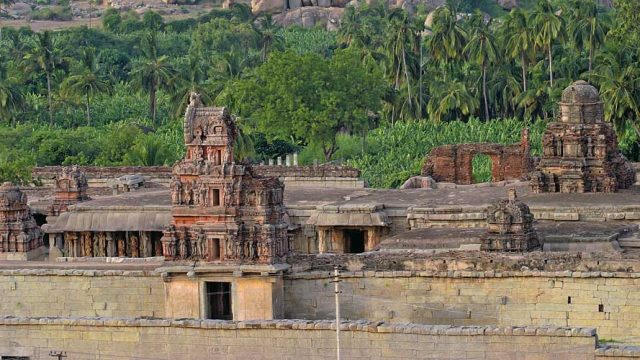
(569, 300)
(215, 197)
(214, 251)
(218, 297)
(601, 308)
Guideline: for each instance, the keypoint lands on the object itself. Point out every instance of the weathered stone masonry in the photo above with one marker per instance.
(99, 338)
(609, 302)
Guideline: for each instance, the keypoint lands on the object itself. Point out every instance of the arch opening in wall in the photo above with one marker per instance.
(481, 168)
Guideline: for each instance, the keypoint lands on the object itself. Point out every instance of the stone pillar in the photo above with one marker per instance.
(288, 160)
(111, 245)
(279, 160)
(270, 162)
(295, 159)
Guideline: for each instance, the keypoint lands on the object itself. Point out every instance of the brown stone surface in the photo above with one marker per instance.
(580, 150)
(453, 163)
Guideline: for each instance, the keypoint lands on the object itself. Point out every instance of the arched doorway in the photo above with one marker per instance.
(481, 168)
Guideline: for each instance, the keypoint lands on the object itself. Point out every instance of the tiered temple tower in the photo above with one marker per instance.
(221, 212)
(580, 151)
(19, 233)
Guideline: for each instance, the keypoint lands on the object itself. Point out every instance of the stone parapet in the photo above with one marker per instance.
(296, 324)
(457, 274)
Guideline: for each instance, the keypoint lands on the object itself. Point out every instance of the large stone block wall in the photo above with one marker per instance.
(609, 302)
(102, 338)
(81, 293)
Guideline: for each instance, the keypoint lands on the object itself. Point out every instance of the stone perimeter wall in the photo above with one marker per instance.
(608, 301)
(81, 293)
(104, 338)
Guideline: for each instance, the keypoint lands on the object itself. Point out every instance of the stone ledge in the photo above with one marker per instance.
(75, 272)
(465, 274)
(360, 325)
(618, 351)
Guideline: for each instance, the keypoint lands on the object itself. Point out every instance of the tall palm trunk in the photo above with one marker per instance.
(88, 111)
(152, 102)
(550, 64)
(524, 72)
(484, 91)
(406, 73)
(49, 97)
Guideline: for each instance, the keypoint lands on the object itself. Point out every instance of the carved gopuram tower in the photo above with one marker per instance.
(20, 236)
(580, 150)
(221, 212)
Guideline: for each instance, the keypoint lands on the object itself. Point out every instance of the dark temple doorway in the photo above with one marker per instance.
(354, 240)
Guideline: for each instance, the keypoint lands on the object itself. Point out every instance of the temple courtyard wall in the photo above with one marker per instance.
(81, 293)
(607, 301)
(112, 338)
(610, 302)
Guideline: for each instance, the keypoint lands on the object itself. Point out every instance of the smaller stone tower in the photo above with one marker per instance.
(19, 232)
(580, 150)
(510, 226)
(71, 188)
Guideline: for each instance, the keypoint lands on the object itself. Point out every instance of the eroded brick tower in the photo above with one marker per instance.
(222, 212)
(580, 150)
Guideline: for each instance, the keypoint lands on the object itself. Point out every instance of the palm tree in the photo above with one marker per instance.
(481, 49)
(588, 26)
(190, 78)
(448, 38)
(448, 97)
(619, 80)
(549, 27)
(148, 151)
(518, 37)
(402, 45)
(152, 72)
(43, 56)
(87, 82)
(268, 34)
(11, 97)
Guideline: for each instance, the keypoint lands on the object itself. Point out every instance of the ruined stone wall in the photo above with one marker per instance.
(309, 176)
(45, 173)
(609, 302)
(102, 338)
(81, 293)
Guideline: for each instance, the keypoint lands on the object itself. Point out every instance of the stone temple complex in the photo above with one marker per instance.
(216, 258)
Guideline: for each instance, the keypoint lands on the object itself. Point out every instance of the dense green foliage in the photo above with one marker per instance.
(396, 152)
(378, 94)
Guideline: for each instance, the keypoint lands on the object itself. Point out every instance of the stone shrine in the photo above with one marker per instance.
(19, 232)
(221, 211)
(510, 226)
(580, 151)
(71, 187)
